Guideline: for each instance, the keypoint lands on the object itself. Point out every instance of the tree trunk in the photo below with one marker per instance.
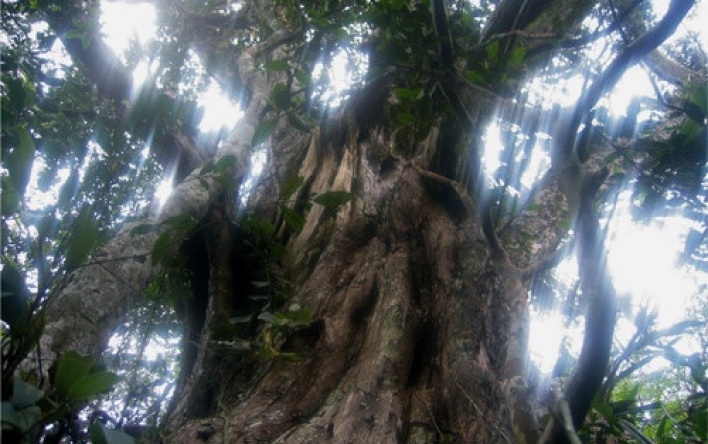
(411, 317)
(418, 313)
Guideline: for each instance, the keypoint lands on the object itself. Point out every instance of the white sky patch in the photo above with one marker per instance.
(220, 112)
(122, 22)
(493, 148)
(545, 340)
(37, 199)
(144, 70)
(643, 259)
(163, 191)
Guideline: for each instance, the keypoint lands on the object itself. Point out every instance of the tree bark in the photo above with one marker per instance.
(419, 313)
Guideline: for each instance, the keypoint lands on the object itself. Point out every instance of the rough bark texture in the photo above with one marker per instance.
(419, 314)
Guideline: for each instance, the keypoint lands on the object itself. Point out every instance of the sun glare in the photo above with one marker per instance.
(122, 22)
(219, 111)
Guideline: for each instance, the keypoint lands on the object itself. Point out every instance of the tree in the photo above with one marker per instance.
(371, 287)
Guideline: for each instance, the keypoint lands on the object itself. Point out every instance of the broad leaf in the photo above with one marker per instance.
(10, 197)
(72, 366)
(276, 65)
(161, 248)
(289, 187)
(298, 123)
(293, 220)
(101, 434)
(83, 239)
(24, 394)
(224, 163)
(91, 385)
(263, 132)
(19, 162)
(332, 200)
(141, 229)
(408, 94)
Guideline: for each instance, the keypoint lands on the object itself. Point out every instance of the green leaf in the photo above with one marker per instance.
(69, 189)
(206, 169)
(289, 187)
(23, 419)
(276, 66)
(91, 385)
(517, 56)
(101, 434)
(263, 132)
(297, 123)
(280, 96)
(332, 200)
(10, 197)
(15, 295)
(408, 94)
(293, 220)
(303, 77)
(477, 78)
(141, 229)
(694, 112)
(19, 162)
(299, 316)
(183, 222)
(161, 248)
(83, 239)
(224, 163)
(24, 394)
(492, 51)
(71, 367)
(405, 118)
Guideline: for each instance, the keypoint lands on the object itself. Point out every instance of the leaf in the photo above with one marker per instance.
(280, 96)
(23, 420)
(517, 56)
(72, 366)
(206, 169)
(408, 94)
(240, 319)
(160, 249)
(10, 198)
(69, 189)
(405, 118)
(297, 123)
(303, 77)
(492, 51)
(83, 239)
(260, 284)
(263, 132)
(293, 220)
(276, 66)
(299, 316)
(100, 434)
(184, 222)
(91, 385)
(225, 163)
(332, 200)
(15, 296)
(270, 317)
(694, 112)
(24, 394)
(142, 229)
(289, 187)
(477, 78)
(19, 162)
